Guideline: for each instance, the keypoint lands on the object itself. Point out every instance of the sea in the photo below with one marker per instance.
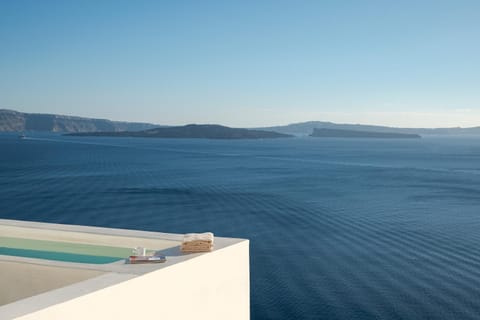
(338, 228)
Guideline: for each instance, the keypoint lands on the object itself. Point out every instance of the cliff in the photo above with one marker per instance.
(18, 121)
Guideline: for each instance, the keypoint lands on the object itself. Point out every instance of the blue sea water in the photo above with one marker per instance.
(339, 228)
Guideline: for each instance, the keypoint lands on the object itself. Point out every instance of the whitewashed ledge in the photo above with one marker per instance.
(212, 285)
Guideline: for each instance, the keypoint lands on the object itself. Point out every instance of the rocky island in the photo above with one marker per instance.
(339, 133)
(192, 131)
(15, 121)
(305, 129)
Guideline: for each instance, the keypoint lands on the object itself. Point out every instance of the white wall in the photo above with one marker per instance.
(214, 285)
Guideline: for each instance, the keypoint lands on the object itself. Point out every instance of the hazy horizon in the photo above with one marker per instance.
(248, 64)
(247, 126)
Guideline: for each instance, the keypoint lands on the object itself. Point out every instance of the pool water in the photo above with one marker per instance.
(61, 251)
(57, 256)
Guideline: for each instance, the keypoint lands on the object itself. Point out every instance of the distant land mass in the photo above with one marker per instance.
(339, 133)
(205, 131)
(306, 128)
(18, 121)
(15, 121)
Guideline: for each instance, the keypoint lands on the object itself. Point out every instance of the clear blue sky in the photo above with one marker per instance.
(244, 63)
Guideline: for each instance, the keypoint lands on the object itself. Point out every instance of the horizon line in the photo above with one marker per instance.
(244, 127)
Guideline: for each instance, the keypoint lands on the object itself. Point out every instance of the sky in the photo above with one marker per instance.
(244, 63)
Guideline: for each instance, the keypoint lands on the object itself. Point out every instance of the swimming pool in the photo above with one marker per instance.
(62, 251)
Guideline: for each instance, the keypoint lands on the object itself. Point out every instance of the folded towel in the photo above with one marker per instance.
(207, 237)
(197, 242)
(196, 245)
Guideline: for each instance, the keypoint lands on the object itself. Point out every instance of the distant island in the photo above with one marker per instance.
(192, 131)
(15, 121)
(306, 128)
(338, 133)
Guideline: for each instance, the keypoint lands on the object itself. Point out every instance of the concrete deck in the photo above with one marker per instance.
(22, 280)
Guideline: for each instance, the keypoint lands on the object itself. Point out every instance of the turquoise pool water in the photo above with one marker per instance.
(57, 256)
(61, 251)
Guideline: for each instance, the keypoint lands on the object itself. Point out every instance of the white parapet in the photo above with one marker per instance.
(213, 285)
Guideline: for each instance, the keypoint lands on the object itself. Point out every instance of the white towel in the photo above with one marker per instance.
(201, 237)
